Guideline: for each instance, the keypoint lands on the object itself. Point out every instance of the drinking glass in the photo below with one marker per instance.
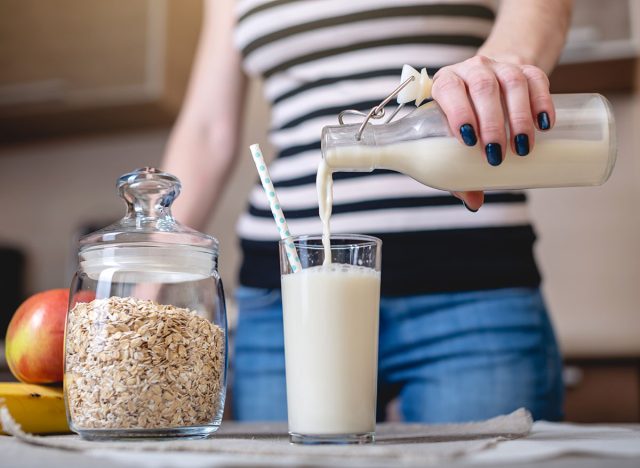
(331, 339)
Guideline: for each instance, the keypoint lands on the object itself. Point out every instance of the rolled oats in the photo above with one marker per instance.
(137, 364)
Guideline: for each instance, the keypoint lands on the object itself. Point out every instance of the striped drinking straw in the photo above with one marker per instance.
(276, 210)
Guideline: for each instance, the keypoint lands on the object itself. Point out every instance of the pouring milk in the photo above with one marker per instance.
(331, 310)
(580, 150)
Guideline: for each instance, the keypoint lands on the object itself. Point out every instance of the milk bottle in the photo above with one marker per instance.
(580, 150)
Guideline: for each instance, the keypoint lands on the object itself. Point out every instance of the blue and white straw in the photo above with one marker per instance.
(276, 210)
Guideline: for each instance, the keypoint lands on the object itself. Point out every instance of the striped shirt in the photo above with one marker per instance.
(319, 57)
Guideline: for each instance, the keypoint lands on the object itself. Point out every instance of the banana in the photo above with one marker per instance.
(38, 409)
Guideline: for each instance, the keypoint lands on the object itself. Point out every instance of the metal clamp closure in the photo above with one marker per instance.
(376, 112)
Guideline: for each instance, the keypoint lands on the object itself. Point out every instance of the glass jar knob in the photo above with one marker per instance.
(149, 193)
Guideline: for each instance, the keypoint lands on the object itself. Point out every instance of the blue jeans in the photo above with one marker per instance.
(447, 357)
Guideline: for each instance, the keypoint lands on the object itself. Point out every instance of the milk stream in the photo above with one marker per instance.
(324, 187)
(331, 348)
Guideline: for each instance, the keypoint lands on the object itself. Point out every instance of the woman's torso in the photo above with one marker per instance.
(319, 57)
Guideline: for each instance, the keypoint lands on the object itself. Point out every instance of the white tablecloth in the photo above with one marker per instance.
(503, 440)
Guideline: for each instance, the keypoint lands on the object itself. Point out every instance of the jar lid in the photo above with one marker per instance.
(148, 193)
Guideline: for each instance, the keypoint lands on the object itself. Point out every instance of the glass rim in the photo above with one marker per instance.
(357, 240)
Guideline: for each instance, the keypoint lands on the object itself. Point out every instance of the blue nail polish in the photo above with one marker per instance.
(543, 121)
(494, 153)
(468, 135)
(522, 144)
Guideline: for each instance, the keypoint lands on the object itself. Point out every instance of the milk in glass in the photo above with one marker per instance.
(331, 348)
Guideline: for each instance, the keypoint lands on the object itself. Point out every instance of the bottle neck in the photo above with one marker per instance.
(344, 152)
(354, 158)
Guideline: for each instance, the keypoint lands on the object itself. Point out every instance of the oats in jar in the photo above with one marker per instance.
(137, 364)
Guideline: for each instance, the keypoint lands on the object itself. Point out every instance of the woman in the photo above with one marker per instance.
(464, 333)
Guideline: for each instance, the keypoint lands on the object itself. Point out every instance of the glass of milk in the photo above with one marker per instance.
(331, 339)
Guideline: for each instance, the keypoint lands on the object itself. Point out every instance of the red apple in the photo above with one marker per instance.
(35, 338)
(82, 296)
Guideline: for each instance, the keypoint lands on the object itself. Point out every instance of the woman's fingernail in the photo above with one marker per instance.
(522, 144)
(467, 207)
(494, 153)
(468, 135)
(543, 121)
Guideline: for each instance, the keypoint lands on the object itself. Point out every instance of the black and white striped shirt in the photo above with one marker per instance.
(319, 57)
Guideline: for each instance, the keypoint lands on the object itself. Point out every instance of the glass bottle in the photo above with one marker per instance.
(579, 150)
(146, 333)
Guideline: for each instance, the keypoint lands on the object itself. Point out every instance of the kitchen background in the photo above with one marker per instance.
(88, 91)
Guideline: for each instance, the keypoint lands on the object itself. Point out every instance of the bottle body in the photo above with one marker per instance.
(579, 151)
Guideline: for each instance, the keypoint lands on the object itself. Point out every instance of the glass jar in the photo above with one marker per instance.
(146, 332)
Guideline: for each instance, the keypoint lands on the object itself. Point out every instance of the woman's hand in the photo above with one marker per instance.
(480, 95)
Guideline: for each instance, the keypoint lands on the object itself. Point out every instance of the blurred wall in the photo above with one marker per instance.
(49, 189)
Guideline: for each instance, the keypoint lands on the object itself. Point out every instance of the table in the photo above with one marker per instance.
(14, 453)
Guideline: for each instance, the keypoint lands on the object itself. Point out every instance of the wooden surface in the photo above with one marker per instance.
(605, 390)
(595, 77)
(88, 66)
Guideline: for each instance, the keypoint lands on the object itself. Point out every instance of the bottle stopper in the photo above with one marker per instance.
(418, 88)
